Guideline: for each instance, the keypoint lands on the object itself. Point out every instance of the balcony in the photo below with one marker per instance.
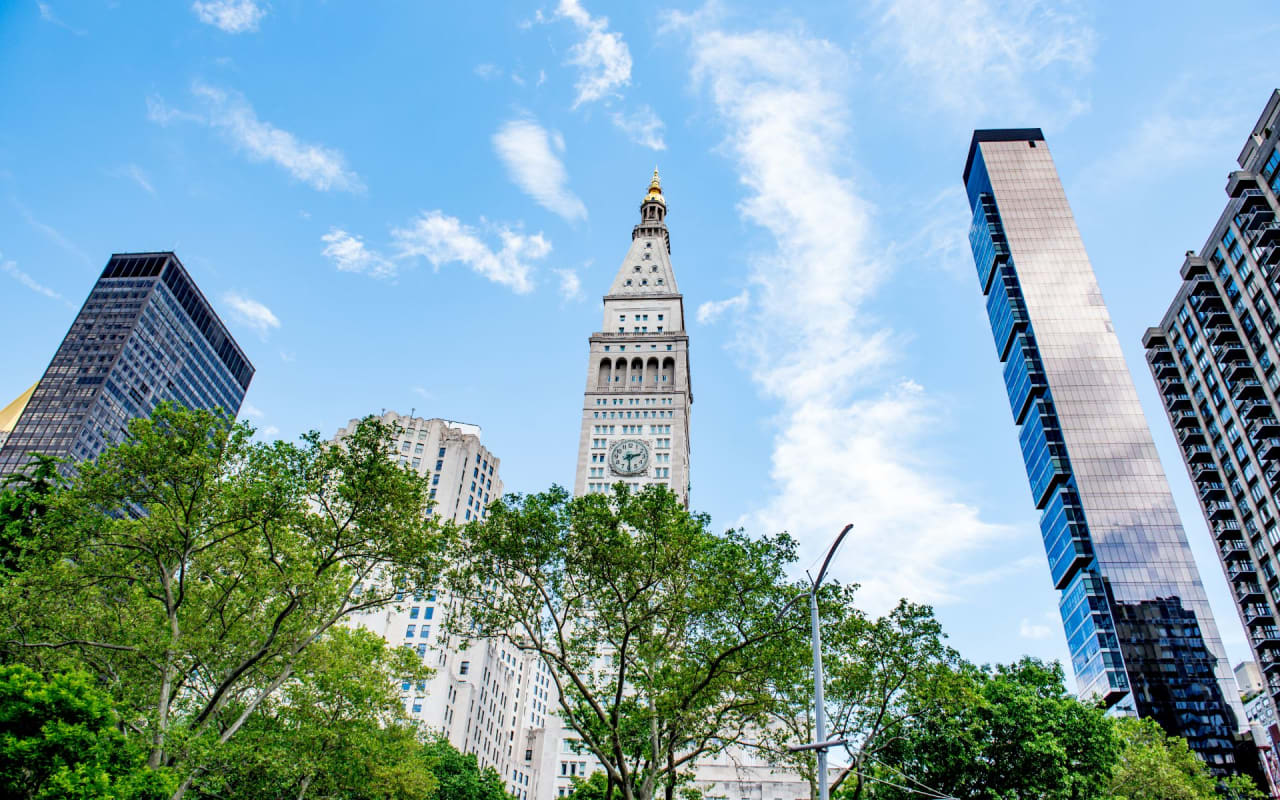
(1265, 636)
(1193, 266)
(1242, 570)
(1165, 370)
(1254, 409)
(1264, 428)
(1241, 181)
(1248, 592)
(1184, 419)
(1178, 401)
(1267, 235)
(1222, 334)
(1255, 613)
(1204, 472)
(1230, 350)
(1269, 450)
(1270, 662)
(1226, 529)
(1239, 369)
(1197, 453)
(1219, 512)
(1233, 549)
(1212, 491)
(1248, 388)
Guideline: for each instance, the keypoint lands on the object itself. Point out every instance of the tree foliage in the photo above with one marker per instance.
(191, 569)
(661, 636)
(60, 738)
(1155, 766)
(998, 734)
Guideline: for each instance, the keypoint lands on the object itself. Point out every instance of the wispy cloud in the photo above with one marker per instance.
(442, 239)
(349, 254)
(250, 313)
(643, 126)
(712, 310)
(52, 234)
(525, 147)
(230, 16)
(47, 14)
(570, 285)
(228, 112)
(11, 269)
(602, 58)
(851, 443)
(1161, 142)
(136, 174)
(977, 57)
(488, 71)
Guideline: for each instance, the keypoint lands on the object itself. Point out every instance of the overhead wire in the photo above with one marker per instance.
(936, 792)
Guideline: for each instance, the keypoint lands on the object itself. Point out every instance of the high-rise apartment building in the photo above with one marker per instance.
(1215, 360)
(487, 698)
(144, 335)
(635, 412)
(1141, 635)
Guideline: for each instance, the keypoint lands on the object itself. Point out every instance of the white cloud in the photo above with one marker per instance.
(349, 254)
(712, 310)
(851, 444)
(318, 166)
(251, 313)
(421, 392)
(602, 58)
(230, 16)
(11, 269)
(1162, 142)
(643, 126)
(982, 57)
(249, 409)
(570, 284)
(136, 174)
(1031, 630)
(525, 147)
(488, 71)
(47, 14)
(270, 430)
(442, 239)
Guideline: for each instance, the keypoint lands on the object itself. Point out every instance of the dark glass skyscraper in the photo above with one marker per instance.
(1214, 358)
(1138, 624)
(144, 335)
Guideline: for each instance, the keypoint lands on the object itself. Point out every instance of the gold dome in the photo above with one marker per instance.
(655, 190)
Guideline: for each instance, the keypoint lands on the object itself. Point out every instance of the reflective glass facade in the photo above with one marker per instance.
(1214, 358)
(1138, 624)
(144, 335)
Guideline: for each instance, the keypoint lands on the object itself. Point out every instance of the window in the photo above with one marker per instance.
(413, 612)
(430, 610)
(464, 667)
(408, 633)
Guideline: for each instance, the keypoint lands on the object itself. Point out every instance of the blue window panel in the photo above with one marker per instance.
(987, 240)
(1024, 376)
(1091, 638)
(1043, 451)
(1006, 310)
(1066, 535)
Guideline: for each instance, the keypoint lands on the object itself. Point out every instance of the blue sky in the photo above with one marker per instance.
(417, 206)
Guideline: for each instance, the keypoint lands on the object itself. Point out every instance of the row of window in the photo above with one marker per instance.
(623, 348)
(634, 401)
(639, 414)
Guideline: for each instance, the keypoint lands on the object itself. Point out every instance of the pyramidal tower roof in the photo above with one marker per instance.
(646, 269)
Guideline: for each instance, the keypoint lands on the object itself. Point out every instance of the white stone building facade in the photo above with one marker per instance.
(488, 698)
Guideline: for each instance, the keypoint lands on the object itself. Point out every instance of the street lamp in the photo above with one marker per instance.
(820, 743)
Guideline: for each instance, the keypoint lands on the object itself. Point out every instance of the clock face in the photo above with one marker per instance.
(629, 457)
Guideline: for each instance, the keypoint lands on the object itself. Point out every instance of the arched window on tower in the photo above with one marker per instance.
(619, 370)
(651, 371)
(637, 370)
(669, 370)
(606, 374)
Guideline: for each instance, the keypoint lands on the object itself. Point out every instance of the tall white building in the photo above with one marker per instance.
(635, 430)
(635, 411)
(488, 698)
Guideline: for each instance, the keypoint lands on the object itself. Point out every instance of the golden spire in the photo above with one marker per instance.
(655, 190)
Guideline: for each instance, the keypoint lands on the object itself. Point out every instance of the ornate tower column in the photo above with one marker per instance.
(635, 410)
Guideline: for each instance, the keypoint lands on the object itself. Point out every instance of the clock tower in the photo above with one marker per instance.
(635, 412)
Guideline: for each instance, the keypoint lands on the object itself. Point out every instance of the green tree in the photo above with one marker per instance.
(1156, 766)
(661, 636)
(335, 729)
(460, 776)
(190, 569)
(595, 787)
(997, 734)
(873, 668)
(24, 499)
(60, 738)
